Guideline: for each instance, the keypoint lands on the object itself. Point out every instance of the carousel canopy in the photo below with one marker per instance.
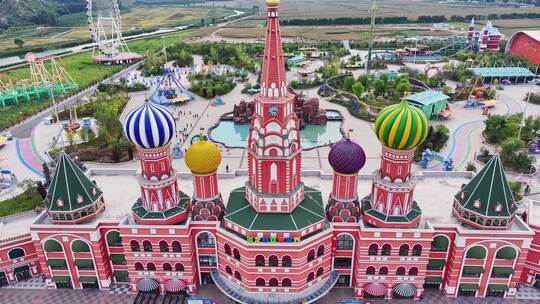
(405, 289)
(375, 289)
(175, 285)
(147, 285)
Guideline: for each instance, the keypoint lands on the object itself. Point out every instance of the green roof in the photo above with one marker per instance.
(437, 262)
(117, 257)
(120, 273)
(473, 269)
(427, 97)
(490, 187)
(308, 212)
(87, 279)
(61, 279)
(503, 270)
(55, 262)
(498, 287)
(70, 188)
(433, 280)
(138, 208)
(409, 217)
(84, 262)
(469, 287)
(502, 72)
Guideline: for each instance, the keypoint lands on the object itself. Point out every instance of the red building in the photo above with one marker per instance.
(275, 236)
(525, 44)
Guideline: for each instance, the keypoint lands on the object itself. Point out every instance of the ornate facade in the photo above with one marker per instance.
(275, 235)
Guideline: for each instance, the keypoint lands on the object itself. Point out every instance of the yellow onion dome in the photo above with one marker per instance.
(203, 156)
(401, 126)
(272, 2)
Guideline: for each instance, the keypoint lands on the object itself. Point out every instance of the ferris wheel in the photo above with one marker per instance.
(105, 25)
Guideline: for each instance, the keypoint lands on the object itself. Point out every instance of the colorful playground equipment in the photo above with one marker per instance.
(7, 180)
(177, 153)
(3, 141)
(169, 90)
(47, 77)
(476, 97)
(534, 146)
(253, 91)
(428, 155)
(73, 125)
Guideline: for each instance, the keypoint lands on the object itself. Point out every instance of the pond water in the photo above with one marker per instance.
(236, 135)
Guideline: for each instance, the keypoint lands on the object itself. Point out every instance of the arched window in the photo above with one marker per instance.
(413, 271)
(16, 253)
(320, 251)
(383, 270)
(135, 245)
(206, 240)
(476, 252)
(179, 267)
(176, 247)
(286, 261)
(237, 275)
(147, 246)
(310, 276)
(273, 282)
(344, 242)
(163, 246)
(236, 254)
(320, 272)
(114, 239)
(386, 249)
(52, 246)
(150, 266)
(273, 261)
(139, 266)
(440, 243)
(228, 269)
(260, 282)
(373, 249)
(311, 255)
(400, 271)
(167, 267)
(259, 260)
(404, 250)
(80, 246)
(506, 253)
(286, 282)
(417, 250)
(370, 270)
(227, 249)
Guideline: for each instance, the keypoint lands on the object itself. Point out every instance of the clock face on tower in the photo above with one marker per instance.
(273, 111)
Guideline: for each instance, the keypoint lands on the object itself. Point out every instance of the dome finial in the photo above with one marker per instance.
(272, 2)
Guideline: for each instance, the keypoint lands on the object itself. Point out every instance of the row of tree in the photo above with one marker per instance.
(402, 20)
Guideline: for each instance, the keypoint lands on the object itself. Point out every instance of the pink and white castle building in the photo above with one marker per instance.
(275, 235)
(488, 38)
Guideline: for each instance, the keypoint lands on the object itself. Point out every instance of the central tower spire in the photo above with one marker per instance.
(274, 151)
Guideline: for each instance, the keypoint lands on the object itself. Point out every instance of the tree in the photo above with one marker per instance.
(41, 189)
(19, 42)
(46, 173)
(358, 89)
(470, 167)
(202, 22)
(402, 88)
(509, 148)
(379, 87)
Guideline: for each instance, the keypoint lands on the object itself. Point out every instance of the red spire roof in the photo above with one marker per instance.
(273, 81)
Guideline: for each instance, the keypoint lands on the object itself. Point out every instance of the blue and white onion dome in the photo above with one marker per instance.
(149, 126)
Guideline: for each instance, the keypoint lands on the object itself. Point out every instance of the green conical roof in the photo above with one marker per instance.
(70, 188)
(488, 193)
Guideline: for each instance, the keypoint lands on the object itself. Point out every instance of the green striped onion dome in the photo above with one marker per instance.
(401, 126)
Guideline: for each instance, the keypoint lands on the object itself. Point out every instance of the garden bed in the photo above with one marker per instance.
(26, 201)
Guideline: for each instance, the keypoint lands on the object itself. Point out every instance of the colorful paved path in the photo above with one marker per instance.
(27, 155)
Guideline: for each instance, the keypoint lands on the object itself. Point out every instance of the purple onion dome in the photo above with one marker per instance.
(346, 157)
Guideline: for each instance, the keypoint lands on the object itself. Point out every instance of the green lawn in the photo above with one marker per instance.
(83, 71)
(21, 203)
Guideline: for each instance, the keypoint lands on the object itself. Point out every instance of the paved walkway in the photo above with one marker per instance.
(32, 283)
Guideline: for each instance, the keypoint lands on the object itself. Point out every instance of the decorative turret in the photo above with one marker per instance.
(471, 30)
(203, 159)
(400, 128)
(151, 128)
(274, 152)
(486, 202)
(346, 158)
(72, 198)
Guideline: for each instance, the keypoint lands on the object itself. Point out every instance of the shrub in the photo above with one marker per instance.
(470, 167)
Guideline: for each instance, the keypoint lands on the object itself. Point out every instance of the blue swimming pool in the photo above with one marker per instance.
(236, 135)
